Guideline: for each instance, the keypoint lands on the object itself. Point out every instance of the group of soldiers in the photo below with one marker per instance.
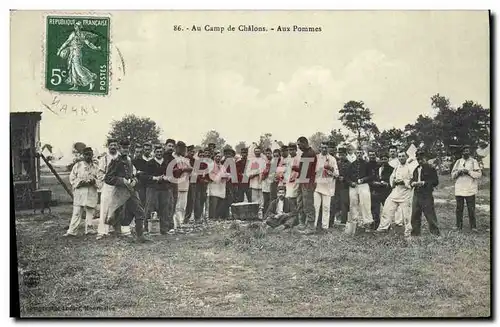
(295, 187)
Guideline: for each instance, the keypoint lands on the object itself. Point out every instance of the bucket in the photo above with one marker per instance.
(154, 224)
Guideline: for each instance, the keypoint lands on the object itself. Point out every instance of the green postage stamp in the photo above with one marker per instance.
(77, 50)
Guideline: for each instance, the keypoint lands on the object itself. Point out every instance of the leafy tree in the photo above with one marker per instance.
(358, 119)
(265, 141)
(386, 138)
(316, 139)
(468, 124)
(472, 124)
(240, 146)
(137, 129)
(213, 137)
(445, 120)
(337, 137)
(424, 130)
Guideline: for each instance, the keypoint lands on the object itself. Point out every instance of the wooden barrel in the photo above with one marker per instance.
(245, 211)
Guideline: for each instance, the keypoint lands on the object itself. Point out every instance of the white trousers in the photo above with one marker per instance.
(360, 204)
(180, 208)
(322, 201)
(398, 218)
(103, 228)
(76, 219)
(389, 214)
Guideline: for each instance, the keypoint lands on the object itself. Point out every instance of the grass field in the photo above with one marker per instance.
(228, 270)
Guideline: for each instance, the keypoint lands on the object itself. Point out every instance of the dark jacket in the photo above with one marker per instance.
(240, 170)
(118, 169)
(140, 164)
(289, 209)
(429, 176)
(154, 169)
(192, 161)
(379, 176)
(343, 165)
(373, 167)
(359, 169)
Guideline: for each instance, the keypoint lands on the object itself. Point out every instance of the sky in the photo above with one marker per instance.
(244, 84)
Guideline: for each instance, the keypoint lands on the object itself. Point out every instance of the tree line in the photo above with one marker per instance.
(439, 134)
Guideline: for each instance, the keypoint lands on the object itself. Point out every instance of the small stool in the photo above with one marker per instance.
(41, 199)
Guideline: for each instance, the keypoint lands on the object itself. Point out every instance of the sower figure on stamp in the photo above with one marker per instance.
(84, 179)
(467, 172)
(424, 180)
(120, 177)
(281, 212)
(72, 50)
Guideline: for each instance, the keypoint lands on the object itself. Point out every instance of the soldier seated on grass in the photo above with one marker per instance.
(281, 213)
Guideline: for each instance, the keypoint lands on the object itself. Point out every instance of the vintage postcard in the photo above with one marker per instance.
(250, 164)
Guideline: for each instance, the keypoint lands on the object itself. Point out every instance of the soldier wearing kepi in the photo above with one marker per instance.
(192, 185)
(327, 171)
(120, 176)
(307, 181)
(231, 185)
(140, 162)
(358, 177)
(380, 188)
(424, 180)
(341, 197)
(84, 179)
(400, 197)
(466, 171)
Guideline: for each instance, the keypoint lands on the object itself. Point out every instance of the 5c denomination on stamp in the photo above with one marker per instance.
(77, 50)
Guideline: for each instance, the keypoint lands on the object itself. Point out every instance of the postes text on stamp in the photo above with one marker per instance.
(77, 54)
